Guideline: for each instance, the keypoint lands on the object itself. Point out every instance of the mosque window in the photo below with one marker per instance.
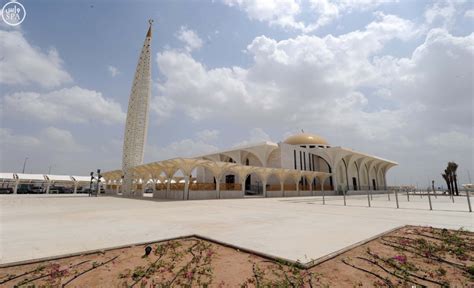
(301, 161)
(294, 157)
(304, 160)
(309, 162)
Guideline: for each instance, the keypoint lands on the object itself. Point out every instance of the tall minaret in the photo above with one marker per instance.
(137, 116)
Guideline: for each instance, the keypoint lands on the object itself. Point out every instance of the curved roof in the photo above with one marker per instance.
(305, 138)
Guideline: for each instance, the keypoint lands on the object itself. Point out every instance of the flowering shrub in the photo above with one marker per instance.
(402, 259)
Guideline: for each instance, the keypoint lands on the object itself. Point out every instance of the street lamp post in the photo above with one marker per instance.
(24, 165)
(98, 181)
(90, 186)
(99, 176)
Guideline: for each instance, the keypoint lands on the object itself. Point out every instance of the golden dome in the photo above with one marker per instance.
(306, 138)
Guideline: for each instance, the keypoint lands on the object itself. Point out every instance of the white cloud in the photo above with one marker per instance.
(22, 64)
(276, 12)
(114, 71)
(76, 105)
(285, 13)
(469, 13)
(182, 148)
(319, 72)
(59, 140)
(49, 146)
(189, 38)
(451, 140)
(441, 13)
(438, 75)
(47, 140)
(256, 135)
(162, 106)
(8, 138)
(207, 135)
(327, 11)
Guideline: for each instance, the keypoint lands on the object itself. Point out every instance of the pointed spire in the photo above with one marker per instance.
(136, 125)
(148, 34)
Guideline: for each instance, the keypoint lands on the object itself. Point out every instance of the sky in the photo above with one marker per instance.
(388, 78)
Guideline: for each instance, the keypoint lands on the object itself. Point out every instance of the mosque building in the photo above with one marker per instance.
(304, 164)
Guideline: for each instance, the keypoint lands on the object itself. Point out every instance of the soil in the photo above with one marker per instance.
(410, 256)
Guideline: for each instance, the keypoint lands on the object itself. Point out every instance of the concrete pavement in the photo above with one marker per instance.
(34, 226)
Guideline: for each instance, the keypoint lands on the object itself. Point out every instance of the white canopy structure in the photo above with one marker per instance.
(29, 178)
(7, 177)
(15, 179)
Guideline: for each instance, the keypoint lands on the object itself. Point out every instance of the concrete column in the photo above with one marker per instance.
(334, 181)
(15, 187)
(324, 192)
(168, 185)
(264, 183)
(282, 188)
(75, 188)
(243, 186)
(298, 187)
(186, 189)
(218, 188)
(117, 189)
(143, 188)
(47, 187)
(311, 188)
(98, 188)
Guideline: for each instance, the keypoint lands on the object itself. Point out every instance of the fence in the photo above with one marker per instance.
(414, 199)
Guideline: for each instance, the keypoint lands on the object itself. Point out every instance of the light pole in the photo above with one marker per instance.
(90, 186)
(98, 178)
(24, 165)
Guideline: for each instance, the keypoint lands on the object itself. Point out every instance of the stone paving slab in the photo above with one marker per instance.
(36, 226)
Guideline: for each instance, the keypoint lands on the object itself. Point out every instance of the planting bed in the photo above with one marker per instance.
(409, 256)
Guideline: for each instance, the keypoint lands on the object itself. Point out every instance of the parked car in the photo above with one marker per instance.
(149, 190)
(6, 190)
(23, 189)
(59, 190)
(36, 190)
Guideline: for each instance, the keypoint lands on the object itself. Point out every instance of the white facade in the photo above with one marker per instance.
(137, 115)
(302, 165)
(351, 170)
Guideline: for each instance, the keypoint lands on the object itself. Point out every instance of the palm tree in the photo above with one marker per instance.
(446, 178)
(453, 167)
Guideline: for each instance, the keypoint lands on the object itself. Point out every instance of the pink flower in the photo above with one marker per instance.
(401, 258)
(189, 275)
(404, 241)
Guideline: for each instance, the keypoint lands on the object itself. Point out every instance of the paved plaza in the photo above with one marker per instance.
(35, 226)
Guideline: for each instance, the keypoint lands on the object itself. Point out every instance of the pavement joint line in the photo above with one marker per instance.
(267, 256)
